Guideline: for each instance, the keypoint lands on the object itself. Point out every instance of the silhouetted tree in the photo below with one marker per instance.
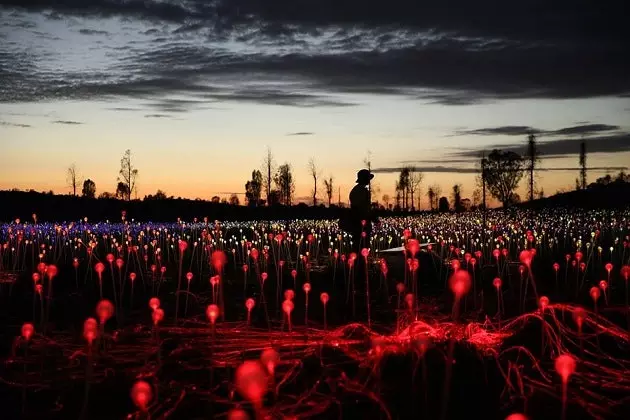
(476, 197)
(285, 184)
(106, 195)
(234, 200)
(215, 199)
(503, 172)
(89, 189)
(403, 185)
(160, 195)
(466, 204)
(274, 198)
(443, 205)
(415, 180)
(386, 199)
(431, 196)
(269, 165)
(122, 191)
(71, 178)
(128, 174)
(253, 188)
(533, 156)
(437, 191)
(583, 165)
(328, 184)
(456, 196)
(313, 170)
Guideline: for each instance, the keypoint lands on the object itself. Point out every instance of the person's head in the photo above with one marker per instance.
(364, 176)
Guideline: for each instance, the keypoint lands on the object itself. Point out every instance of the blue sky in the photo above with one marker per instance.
(199, 92)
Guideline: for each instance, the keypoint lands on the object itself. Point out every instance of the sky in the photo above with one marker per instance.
(198, 90)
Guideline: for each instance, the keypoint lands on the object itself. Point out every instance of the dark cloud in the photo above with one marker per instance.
(507, 130)
(66, 122)
(92, 32)
(456, 170)
(10, 124)
(614, 143)
(429, 169)
(584, 129)
(519, 130)
(157, 116)
(484, 51)
(301, 133)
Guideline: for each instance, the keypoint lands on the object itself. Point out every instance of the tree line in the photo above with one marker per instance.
(499, 175)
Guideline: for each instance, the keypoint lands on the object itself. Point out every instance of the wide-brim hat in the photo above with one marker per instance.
(364, 175)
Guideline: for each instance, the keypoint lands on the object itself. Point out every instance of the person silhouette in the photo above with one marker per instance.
(360, 220)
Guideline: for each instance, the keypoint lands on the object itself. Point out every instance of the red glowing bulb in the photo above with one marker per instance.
(455, 265)
(625, 272)
(219, 259)
(35, 277)
(400, 288)
(579, 315)
(214, 281)
(496, 253)
(251, 381)
(287, 306)
(154, 303)
(254, 253)
(460, 283)
(141, 394)
(565, 366)
(603, 285)
(516, 416)
(104, 310)
(556, 266)
(578, 256)
(27, 331)
(324, 298)
(413, 246)
(189, 276)
(250, 303)
(237, 414)
(264, 276)
(306, 287)
(294, 273)
(525, 257)
(119, 263)
(409, 299)
(269, 359)
(182, 246)
(132, 276)
(89, 330)
(41, 267)
(75, 263)
(496, 282)
(99, 268)
(212, 312)
(595, 294)
(543, 302)
(110, 258)
(51, 271)
(289, 294)
(245, 268)
(609, 267)
(163, 269)
(365, 252)
(157, 315)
